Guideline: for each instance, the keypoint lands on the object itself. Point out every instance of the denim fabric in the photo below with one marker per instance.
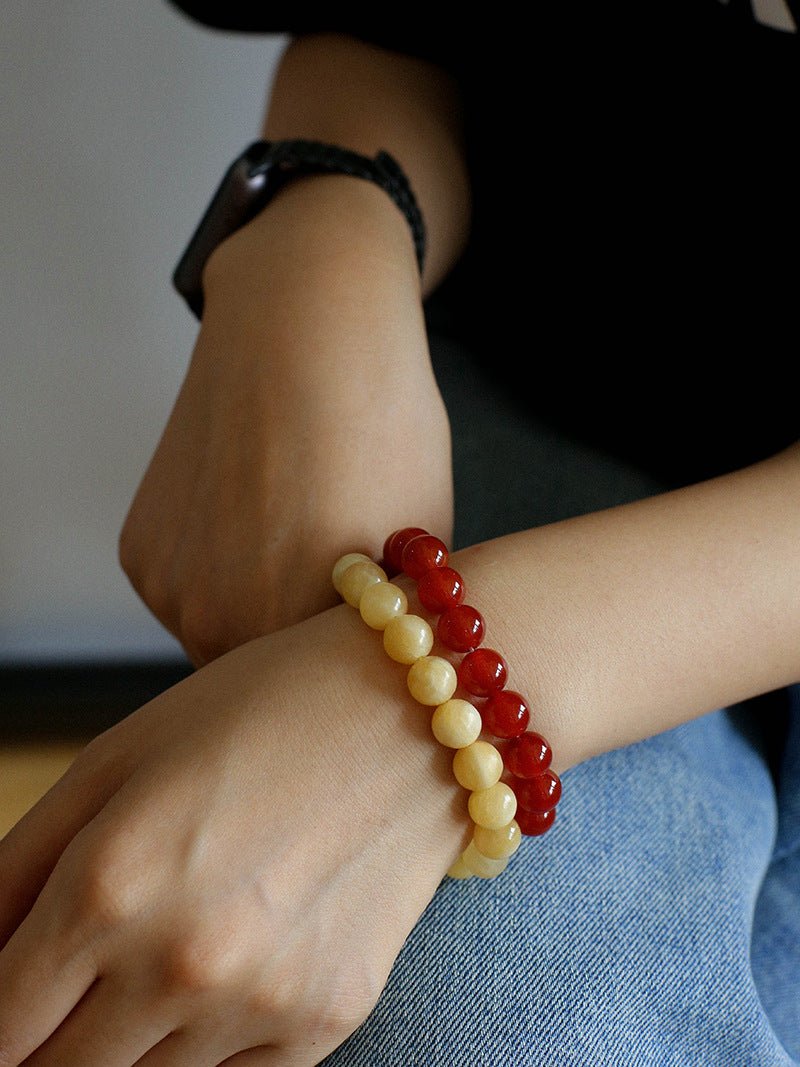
(657, 924)
(776, 925)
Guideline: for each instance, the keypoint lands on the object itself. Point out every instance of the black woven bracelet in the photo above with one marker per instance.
(255, 176)
(316, 157)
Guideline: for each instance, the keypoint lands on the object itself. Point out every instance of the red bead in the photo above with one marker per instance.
(440, 588)
(538, 794)
(422, 553)
(505, 713)
(534, 823)
(482, 672)
(527, 755)
(393, 548)
(461, 628)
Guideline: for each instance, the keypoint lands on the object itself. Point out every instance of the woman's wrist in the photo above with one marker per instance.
(310, 368)
(319, 232)
(392, 765)
(512, 790)
(319, 290)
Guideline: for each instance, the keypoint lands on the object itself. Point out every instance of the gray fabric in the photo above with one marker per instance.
(512, 471)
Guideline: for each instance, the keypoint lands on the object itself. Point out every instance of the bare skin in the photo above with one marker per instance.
(312, 347)
(228, 875)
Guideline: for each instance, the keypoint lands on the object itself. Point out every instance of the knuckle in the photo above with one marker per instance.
(278, 1000)
(147, 571)
(337, 1020)
(197, 963)
(153, 588)
(202, 629)
(351, 1000)
(128, 548)
(104, 896)
(324, 1015)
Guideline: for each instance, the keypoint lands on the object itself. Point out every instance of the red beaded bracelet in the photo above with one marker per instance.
(513, 790)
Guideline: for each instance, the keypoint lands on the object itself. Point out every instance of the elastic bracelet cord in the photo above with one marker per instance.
(513, 792)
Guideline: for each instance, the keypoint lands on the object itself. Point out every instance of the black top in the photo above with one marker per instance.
(631, 270)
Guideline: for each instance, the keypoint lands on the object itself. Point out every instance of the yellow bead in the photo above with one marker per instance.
(432, 680)
(407, 638)
(456, 723)
(459, 869)
(341, 565)
(478, 766)
(493, 807)
(481, 865)
(498, 844)
(380, 602)
(356, 579)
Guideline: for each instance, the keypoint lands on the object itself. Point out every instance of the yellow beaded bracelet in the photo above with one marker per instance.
(478, 765)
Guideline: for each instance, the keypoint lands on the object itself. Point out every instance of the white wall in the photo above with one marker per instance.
(117, 120)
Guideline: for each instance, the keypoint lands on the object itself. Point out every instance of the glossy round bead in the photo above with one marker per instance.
(540, 793)
(356, 579)
(498, 844)
(493, 807)
(380, 602)
(395, 543)
(407, 637)
(459, 869)
(527, 755)
(440, 588)
(461, 628)
(481, 865)
(482, 671)
(478, 766)
(535, 823)
(422, 553)
(341, 565)
(505, 713)
(432, 680)
(456, 723)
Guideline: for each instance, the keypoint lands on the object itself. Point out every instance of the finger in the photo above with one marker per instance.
(113, 1026)
(183, 1048)
(42, 979)
(31, 849)
(273, 1057)
(212, 1037)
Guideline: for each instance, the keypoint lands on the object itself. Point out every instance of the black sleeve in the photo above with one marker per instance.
(411, 35)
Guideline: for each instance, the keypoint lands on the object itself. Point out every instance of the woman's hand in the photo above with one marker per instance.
(235, 866)
(309, 423)
(228, 874)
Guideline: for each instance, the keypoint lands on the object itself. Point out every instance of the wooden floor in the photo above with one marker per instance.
(26, 773)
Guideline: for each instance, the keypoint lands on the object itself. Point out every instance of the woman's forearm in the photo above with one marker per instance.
(626, 622)
(289, 438)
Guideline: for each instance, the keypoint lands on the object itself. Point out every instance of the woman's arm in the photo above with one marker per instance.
(237, 864)
(388, 101)
(628, 621)
(290, 437)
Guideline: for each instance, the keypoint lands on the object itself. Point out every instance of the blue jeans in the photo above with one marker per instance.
(657, 924)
